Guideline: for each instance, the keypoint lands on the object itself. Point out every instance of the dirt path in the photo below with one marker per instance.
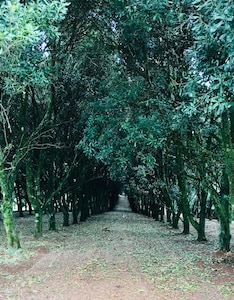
(118, 255)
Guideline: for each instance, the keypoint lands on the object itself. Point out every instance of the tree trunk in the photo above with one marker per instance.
(155, 208)
(162, 212)
(7, 188)
(75, 210)
(169, 215)
(18, 197)
(183, 190)
(52, 221)
(175, 220)
(186, 224)
(225, 235)
(33, 194)
(227, 188)
(50, 209)
(38, 223)
(224, 214)
(65, 210)
(227, 133)
(202, 220)
(84, 209)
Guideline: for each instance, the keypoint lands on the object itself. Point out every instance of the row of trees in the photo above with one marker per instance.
(40, 165)
(137, 91)
(163, 119)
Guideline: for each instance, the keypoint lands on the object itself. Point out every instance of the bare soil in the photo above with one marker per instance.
(117, 255)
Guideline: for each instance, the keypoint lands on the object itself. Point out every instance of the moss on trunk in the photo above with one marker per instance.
(7, 187)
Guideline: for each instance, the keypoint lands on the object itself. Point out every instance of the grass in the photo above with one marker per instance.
(13, 257)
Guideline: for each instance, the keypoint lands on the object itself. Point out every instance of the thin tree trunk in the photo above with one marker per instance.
(227, 190)
(175, 220)
(202, 220)
(84, 209)
(7, 188)
(65, 210)
(75, 210)
(224, 215)
(225, 235)
(33, 195)
(52, 221)
(183, 190)
(162, 212)
(38, 223)
(18, 197)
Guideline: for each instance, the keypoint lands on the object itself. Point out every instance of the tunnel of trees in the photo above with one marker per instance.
(101, 96)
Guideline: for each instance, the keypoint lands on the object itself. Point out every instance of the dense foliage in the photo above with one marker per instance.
(102, 95)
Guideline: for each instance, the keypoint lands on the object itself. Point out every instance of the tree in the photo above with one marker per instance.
(211, 83)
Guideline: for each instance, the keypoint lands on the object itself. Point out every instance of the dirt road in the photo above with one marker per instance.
(118, 255)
